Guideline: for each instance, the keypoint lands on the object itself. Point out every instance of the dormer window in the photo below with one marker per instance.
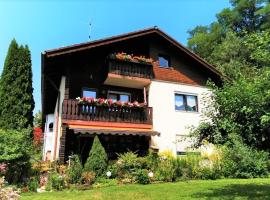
(164, 61)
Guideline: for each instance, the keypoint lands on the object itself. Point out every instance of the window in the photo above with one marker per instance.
(181, 144)
(119, 96)
(112, 96)
(124, 97)
(51, 127)
(184, 144)
(86, 92)
(164, 61)
(186, 102)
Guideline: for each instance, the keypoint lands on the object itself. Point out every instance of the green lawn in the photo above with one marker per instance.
(197, 189)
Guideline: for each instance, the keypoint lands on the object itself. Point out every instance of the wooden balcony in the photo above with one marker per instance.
(130, 74)
(72, 110)
(128, 68)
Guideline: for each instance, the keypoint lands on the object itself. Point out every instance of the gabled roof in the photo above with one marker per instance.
(123, 37)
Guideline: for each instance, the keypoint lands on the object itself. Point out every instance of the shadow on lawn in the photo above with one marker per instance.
(246, 191)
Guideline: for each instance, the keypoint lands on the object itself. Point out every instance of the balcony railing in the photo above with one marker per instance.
(72, 110)
(128, 68)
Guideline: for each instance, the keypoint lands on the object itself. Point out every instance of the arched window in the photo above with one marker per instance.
(51, 127)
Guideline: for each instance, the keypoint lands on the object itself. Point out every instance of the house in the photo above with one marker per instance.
(165, 97)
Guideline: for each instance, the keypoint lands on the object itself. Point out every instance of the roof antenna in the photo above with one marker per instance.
(90, 30)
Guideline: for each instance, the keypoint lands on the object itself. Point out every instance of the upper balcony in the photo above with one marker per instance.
(133, 72)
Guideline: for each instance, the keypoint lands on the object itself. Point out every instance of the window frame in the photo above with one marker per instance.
(51, 127)
(167, 57)
(88, 89)
(185, 101)
(118, 93)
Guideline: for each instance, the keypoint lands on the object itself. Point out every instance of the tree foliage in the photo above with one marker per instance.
(242, 108)
(16, 91)
(258, 46)
(239, 47)
(38, 119)
(15, 148)
(97, 161)
(236, 29)
(242, 161)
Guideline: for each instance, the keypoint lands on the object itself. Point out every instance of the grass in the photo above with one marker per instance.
(196, 189)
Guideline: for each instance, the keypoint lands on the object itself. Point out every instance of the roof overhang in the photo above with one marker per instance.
(123, 37)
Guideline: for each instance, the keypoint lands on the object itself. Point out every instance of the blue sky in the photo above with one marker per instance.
(50, 24)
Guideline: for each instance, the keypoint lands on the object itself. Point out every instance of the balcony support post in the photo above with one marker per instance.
(144, 96)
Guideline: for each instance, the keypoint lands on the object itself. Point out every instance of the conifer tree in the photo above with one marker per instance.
(97, 160)
(16, 91)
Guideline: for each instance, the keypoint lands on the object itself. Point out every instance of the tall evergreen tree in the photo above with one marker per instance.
(16, 91)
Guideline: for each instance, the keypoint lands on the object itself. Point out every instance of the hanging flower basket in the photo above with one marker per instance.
(131, 58)
(109, 103)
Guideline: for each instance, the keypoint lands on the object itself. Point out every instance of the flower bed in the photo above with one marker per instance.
(109, 102)
(132, 58)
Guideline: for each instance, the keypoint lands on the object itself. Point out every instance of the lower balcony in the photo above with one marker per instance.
(73, 110)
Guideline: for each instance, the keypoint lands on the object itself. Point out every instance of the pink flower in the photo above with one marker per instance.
(119, 103)
(90, 99)
(100, 100)
(3, 168)
(110, 102)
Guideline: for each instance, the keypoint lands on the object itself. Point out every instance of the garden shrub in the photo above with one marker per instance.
(127, 164)
(16, 150)
(97, 161)
(88, 178)
(186, 165)
(141, 176)
(75, 170)
(208, 172)
(241, 161)
(166, 154)
(166, 170)
(56, 182)
(152, 160)
(48, 186)
(211, 163)
(112, 167)
(33, 185)
(131, 168)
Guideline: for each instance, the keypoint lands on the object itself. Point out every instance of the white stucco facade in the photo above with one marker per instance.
(48, 137)
(52, 136)
(173, 124)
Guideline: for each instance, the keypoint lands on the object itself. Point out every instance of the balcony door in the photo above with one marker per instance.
(119, 96)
